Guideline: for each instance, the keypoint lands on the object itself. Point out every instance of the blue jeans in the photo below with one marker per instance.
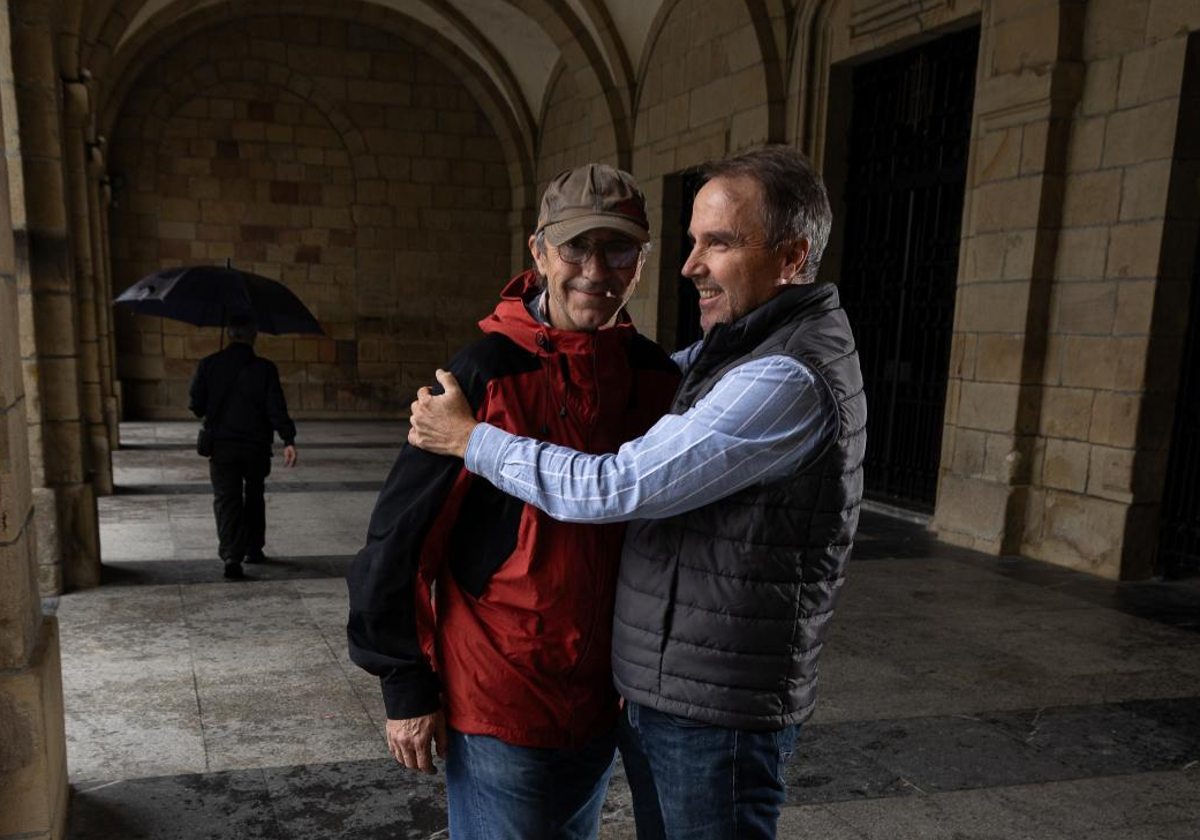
(498, 791)
(701, 782)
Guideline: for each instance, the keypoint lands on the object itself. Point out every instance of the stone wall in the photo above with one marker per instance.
(575, 126)
(1010, 222)
(33, 773)
(1075, 262)
(56, 321)
(704, 89)
(1121, 279)
(335, 158)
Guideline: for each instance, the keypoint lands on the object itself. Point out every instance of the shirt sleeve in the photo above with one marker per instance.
(764, 420)
(683, 358)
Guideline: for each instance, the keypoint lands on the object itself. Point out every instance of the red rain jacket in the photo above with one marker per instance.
(465, 592)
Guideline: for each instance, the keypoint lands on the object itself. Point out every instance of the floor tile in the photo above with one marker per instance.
(963, 697)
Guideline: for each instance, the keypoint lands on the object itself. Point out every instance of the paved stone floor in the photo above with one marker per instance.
(964, 697)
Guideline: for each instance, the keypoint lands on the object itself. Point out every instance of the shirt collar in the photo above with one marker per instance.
(537, 309)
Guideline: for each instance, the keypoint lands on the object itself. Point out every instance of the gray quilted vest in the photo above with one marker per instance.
(721, 611)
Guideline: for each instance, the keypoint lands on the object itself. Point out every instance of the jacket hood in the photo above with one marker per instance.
(511, 319)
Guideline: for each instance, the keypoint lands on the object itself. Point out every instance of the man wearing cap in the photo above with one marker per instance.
(745, 500)
(489, 623)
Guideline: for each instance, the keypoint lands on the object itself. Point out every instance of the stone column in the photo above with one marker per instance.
(98, 203)
(89, 298)
(65, 504)
(33, 771)
(114, 408)
(521, 223)
(1030, 79)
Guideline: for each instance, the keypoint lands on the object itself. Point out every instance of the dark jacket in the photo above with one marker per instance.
(721, 611)
(254, 407)
(520, 647)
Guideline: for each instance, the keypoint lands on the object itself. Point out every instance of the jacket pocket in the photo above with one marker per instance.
(484, 535)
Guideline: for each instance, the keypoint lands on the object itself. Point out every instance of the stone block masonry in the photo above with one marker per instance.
(367, 179)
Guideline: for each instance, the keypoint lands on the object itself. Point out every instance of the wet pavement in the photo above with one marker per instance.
(963, 697)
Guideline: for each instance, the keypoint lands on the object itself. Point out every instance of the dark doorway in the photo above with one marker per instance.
(1179, 540)
(910, 128)
(679, 303)
(687, 313)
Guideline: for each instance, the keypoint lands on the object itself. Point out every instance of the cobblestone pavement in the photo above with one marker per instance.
(964, 697)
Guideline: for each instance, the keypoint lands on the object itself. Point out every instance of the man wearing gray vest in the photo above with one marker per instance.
(744, 502)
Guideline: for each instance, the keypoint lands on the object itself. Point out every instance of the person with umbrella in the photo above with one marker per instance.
(237, 393)
(242, 402)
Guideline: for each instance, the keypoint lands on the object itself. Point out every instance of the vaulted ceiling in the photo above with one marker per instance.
(508, 52)
(517, 44)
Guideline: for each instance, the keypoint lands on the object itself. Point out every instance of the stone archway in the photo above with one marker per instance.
(570, 135)
(381, 199)
(117, 62)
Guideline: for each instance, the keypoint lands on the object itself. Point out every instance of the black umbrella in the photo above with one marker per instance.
(212, 296)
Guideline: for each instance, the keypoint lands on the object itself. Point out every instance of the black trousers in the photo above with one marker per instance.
(238, 475)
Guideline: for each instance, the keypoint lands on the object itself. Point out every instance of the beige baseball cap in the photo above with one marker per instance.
(590, 197)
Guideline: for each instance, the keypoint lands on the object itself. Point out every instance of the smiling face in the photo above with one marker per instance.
(587, 296)
(733, 267)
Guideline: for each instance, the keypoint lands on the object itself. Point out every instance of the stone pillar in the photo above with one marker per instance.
(521, 223)
(89, 298)
(98, 203)
(103, 203)
(65, 504)
(1030, 79)
(33, 760)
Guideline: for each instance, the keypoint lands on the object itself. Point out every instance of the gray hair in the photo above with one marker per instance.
(795, 203)
(539, 246)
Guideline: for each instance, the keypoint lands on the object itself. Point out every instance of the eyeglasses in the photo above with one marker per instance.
(616, 254)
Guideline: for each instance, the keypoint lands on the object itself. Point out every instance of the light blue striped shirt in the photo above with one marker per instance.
(762, 421)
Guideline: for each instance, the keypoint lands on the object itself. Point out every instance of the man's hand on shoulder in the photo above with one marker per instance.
(289, 455)
(409, 740)
(442, 424)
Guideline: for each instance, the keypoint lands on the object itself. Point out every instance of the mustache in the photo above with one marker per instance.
(596, 290)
